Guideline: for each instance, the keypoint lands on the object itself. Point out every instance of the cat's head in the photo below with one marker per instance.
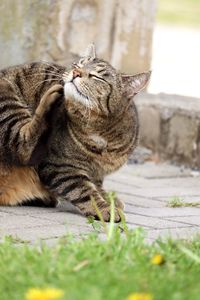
(94, 86)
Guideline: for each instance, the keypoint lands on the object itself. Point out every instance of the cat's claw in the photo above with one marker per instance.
(105, 214)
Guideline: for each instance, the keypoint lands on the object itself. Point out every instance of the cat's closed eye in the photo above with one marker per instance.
(95, 76)
(106, 74)
(103, 73)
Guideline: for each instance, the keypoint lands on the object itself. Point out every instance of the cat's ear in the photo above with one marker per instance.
(90, 52)
(133, 84)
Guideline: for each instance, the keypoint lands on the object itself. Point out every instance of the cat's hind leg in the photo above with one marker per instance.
(38, 202)
(19, 185)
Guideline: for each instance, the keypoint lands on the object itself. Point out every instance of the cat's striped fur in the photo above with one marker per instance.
(62, 131)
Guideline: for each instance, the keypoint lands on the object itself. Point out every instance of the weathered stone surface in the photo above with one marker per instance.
(170, 126)
(183, 133)
(132, 35)
(61, 30)
(150, 127)
(153, 222)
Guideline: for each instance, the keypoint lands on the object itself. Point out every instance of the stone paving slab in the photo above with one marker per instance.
(179, 233)
(194, 220)
(146, 190)
(152, 222)
(134, 201)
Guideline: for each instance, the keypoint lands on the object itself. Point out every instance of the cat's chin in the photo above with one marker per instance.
(71, 91)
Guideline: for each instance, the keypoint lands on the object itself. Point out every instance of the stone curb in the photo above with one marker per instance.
(170, 126)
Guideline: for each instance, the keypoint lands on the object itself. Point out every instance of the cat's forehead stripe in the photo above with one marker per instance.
(102, 64)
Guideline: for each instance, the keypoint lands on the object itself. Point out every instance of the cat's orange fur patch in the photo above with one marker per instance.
(19, 184)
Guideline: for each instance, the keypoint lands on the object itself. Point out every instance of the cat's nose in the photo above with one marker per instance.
(76, 73)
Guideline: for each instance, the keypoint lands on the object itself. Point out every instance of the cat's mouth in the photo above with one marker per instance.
(72, 91)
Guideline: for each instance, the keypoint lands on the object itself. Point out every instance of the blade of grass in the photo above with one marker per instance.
(112, 218)
(178, 202)
(190, 254)
(123, 226)
(99, 215)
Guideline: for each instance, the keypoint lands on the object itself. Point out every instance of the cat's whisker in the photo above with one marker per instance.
(94, 104)
(49, 74)
(43, 82)
(52, 71)
(97, 110)
(88, 110)
(91, 107)
(49, 64)
(54, 77)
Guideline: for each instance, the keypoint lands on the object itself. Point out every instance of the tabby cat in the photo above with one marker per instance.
(62, 130)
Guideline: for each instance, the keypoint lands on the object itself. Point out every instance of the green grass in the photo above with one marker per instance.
(179, 12)
(90, 268)
(102, 270)
(178, 202)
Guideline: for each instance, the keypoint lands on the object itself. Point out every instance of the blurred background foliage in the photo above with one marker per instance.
(179, 12)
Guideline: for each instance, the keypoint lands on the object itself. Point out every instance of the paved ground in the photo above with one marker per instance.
(146, 190)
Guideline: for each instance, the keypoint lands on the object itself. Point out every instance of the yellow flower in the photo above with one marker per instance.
(44, 294)
(140, 296)
(157, 259)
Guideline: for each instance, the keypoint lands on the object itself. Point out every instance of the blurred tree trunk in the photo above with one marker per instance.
(60, 30)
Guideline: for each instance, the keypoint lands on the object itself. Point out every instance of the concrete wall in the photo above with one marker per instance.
(51, 29)
(170, 126)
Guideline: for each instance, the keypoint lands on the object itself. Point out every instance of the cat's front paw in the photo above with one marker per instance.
(119, 204)
(106, 215)
(96, 206)
(53, 94)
